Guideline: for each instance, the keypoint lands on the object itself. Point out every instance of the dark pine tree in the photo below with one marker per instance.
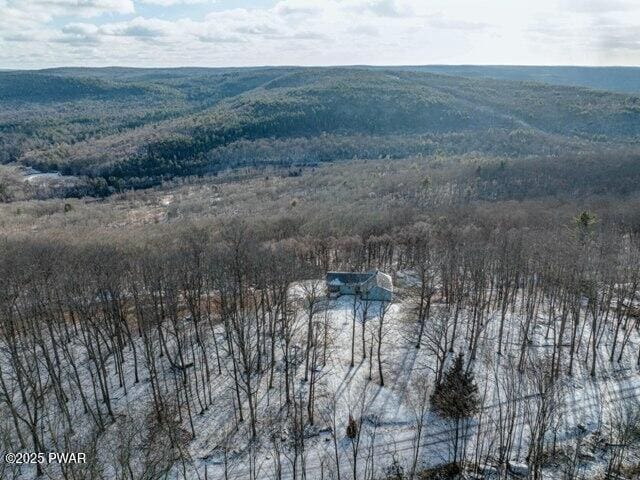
(456, 398)
(352, 428)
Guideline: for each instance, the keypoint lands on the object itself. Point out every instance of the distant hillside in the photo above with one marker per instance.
(37, 87)
(613, 79)
(134, 127)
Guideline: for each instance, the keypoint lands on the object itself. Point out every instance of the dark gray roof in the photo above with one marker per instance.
(350, 278)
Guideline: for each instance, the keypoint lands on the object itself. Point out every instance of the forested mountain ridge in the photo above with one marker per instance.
(613, 79)
(42, 88)
(156, 124)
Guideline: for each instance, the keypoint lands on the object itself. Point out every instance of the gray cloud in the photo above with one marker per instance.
(139, 28)
(138, 31)
(257, 29)
(79, 40)
(220, 38)
(19, 37)
(80, 29)
(78, 34)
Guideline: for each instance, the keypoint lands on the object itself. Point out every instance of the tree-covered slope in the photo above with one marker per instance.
(613, 79)
(41, 88)
(192, 121)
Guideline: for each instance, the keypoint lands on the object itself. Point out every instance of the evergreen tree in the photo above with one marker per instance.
(352, 428)
(456, 397)
(585, 223)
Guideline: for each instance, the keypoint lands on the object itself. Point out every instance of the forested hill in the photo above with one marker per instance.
(133, 127)
(613, 79)
(42, 88)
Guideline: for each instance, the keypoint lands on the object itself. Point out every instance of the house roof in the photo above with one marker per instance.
(348, 278)
(384, 281)
(380, 279)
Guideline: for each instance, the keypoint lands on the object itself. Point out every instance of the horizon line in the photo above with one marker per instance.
(354, 65)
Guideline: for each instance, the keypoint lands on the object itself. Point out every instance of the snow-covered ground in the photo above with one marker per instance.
(585, 406)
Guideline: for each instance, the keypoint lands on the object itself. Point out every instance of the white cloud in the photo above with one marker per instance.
(598, 6)
(439, 20)
(596, 31)
(297, 8)
(83, 8)
(171, 3)
(384, 8)
(366, 30)
(100, 32)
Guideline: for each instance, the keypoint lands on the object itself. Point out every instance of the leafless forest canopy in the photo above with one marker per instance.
(165, 311)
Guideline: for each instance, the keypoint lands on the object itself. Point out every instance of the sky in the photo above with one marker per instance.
(217, 33)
